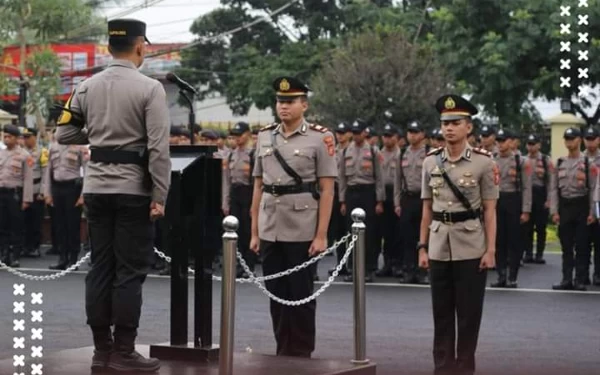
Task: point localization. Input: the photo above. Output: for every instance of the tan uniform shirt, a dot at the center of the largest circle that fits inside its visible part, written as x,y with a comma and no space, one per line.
509,181
569,181
541,177
236,169
357,169
476,176
594,159
125,110
64,164
310,151
410,172
390,164
40,161
16,171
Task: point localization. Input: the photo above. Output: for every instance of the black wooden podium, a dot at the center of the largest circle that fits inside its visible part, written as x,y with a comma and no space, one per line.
192,227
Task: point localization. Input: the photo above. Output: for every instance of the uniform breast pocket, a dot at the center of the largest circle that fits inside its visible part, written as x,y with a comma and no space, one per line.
366,164
469,186
436,182
301,158
562,178
16,167
305,204
350,165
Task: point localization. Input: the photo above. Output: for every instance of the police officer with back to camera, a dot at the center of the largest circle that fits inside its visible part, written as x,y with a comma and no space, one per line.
572,208
16,195
126,121
459,188
362,186
592,141
35,213
514,209
407,199
294,177
237,169
542,169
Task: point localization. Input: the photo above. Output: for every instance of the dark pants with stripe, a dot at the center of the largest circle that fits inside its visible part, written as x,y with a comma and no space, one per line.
574,236
457,294
294,326
537,223
509,250
33,224
68,219
121,235
410,224
363,196
11,223
241,199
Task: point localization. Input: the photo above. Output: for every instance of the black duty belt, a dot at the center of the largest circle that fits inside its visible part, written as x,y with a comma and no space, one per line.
111,156
240,186
361,187
5,190
37,181
277,190
411,194
456,217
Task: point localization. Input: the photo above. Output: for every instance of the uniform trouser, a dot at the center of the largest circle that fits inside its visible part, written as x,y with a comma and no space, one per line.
363,196
509,250
294,326
11,222
574,236
538,222
33,224
68,216
241,199
594,232
410,224
389,230
457,293
337,225
53,228
121,234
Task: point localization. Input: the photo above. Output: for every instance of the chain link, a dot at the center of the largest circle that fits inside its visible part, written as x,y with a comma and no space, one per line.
47,277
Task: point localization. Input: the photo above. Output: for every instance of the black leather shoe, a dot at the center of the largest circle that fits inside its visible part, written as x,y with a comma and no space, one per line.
563,285
131,362
596,280
539,260
100,361
586,281
424,280
348,279
386,271
501,283
58,267
370,277
579,286
511,284
528,259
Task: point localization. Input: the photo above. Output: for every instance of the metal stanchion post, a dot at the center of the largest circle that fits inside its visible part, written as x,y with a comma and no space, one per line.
360,331
230,238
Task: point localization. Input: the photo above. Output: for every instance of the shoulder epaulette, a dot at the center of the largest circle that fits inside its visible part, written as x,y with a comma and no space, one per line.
435,151
318,128
482,151
268,127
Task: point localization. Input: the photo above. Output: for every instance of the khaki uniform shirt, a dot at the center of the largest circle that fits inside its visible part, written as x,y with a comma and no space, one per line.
389,165
569,181
236,170
16,171
541,177
410,172
65,163
310,151
357,169
475,174
125,110
40,161
594,159
509,181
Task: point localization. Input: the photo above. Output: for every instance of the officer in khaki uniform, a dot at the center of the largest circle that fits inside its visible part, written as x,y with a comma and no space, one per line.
237,169
35,213
407,199
592,142
16,195
362,186
459,187
294,175
572,208
514,208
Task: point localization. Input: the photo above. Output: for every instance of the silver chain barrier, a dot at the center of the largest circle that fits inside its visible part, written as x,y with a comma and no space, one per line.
54,276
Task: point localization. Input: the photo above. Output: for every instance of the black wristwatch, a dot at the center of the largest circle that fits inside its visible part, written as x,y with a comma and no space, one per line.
422,246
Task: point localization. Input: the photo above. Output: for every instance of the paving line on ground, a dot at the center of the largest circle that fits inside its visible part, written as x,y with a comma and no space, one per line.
398,285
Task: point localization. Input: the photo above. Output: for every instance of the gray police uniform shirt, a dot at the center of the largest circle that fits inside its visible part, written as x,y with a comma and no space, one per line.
569,181
125,110
475,174
362,166
40,157
509,181
389,165
236,171
594,159
16,171
409,172
310,151
65,163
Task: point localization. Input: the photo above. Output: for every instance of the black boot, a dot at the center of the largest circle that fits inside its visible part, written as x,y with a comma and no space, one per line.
385,271
539,259
124,358
14,258
103,345
4,256
596,280
528,259
512,278
565,284
501,282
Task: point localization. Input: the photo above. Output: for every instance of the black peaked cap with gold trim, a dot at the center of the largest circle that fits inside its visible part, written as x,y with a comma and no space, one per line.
454,107
288,88
127,27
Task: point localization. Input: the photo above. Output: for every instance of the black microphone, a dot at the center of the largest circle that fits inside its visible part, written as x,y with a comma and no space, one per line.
183,85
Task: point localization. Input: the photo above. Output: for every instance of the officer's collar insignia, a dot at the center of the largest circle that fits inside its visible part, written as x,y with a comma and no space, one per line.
303,128
468,154
284,85
449,103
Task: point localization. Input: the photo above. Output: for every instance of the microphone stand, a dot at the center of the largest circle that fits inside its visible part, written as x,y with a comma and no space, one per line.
192,115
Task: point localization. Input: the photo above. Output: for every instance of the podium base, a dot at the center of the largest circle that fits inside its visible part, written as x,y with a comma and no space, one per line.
187,353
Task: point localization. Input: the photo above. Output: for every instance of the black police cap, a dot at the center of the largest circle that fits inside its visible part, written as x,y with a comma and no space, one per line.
239,128
414,126
27,132
342,128
358,126
533,139
572,133
289,88
389,130
12,130
454,107
502,134
371,132
591,132
486,131
127,27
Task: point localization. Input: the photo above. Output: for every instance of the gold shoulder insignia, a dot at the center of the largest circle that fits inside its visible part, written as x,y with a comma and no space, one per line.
318,128
268,127
435,151
482,151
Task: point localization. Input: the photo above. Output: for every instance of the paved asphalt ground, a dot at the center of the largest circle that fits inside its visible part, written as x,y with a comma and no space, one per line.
531,330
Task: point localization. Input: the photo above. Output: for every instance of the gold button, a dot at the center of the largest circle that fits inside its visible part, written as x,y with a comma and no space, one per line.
285,141
279,180
450,203
277,201
452,165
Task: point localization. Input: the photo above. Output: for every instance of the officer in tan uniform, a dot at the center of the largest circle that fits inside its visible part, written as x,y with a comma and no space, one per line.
35,213
514,209
457,238
294,175
16,195
123,115
362,186
407,199
62,190
592,142
572,208
237,168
